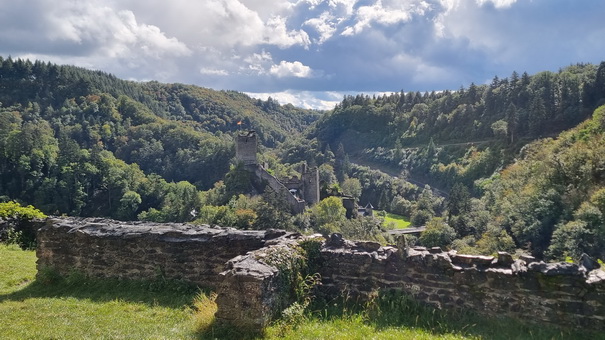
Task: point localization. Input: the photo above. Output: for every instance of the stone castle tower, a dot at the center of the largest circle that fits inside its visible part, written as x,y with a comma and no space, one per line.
246,147
296,192
310,184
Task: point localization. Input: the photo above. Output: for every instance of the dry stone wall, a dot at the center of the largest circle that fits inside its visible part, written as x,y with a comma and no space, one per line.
136,250
252,290
556,293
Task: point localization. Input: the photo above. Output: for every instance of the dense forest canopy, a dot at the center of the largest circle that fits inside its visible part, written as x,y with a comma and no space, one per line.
84,142
519,161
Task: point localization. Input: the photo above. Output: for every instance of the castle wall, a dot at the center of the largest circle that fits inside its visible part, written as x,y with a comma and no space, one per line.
296,206
251,292
136,250
561,294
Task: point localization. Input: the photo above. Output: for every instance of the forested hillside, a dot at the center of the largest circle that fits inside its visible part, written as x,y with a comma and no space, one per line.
551,202
459,136
523,166
82,142
505,191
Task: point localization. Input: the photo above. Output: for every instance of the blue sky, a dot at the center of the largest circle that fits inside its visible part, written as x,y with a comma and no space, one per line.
308,52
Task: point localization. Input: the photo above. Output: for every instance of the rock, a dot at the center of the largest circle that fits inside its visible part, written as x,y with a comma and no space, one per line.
518,267
274,233
588,263
472,260
335,240
368,246
505,259
528,258
435,250
562,268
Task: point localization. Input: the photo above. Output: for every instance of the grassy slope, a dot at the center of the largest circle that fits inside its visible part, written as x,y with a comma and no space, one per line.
79,308
398,221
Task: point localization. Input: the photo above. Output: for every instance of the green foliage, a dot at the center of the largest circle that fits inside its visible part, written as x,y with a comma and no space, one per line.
397,221
495,240
15,210
351,187
85,143
437,234
327,214
393,315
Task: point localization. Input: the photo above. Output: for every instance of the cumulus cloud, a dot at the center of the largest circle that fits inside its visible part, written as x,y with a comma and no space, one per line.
106,32
307,46
498,3
385,14
291,69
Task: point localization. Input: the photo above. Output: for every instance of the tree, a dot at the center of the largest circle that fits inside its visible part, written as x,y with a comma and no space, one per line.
437,234
329,211
512,120
459,207
351,187
500,129
129,204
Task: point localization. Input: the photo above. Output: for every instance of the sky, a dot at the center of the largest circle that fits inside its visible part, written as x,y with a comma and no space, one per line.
307,52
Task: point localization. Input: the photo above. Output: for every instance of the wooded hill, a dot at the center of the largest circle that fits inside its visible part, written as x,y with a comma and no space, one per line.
84,142
460,136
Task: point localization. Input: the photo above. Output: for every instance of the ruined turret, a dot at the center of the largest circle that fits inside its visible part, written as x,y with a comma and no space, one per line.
245,148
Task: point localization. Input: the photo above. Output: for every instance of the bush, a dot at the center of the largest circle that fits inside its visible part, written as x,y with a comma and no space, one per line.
437,234
13,210
12,231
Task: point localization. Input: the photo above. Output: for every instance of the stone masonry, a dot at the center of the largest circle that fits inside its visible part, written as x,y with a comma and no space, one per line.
306,188
251,292
555,293
138,250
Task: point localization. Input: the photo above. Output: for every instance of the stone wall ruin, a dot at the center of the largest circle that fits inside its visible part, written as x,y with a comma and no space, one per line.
251,292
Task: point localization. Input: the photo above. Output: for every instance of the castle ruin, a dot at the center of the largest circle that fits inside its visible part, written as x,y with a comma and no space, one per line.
296,192
251,290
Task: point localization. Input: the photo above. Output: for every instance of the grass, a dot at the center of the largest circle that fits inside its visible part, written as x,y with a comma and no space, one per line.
394,221
391,315
75,307
80,308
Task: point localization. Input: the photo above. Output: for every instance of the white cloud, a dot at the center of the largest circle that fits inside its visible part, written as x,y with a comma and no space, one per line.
110,33
276,33
214,72
305,99
328,45
389,14
257,62
291,69
497,3
324,25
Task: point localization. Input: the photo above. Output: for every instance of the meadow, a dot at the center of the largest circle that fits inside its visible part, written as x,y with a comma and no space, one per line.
48,306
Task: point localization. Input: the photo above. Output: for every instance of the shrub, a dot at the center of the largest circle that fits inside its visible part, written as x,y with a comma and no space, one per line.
16,211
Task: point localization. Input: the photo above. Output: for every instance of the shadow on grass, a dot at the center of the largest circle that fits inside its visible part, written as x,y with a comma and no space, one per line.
218,331
388,310
158,292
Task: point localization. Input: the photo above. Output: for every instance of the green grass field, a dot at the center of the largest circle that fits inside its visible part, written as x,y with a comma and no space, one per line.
75,307
396,221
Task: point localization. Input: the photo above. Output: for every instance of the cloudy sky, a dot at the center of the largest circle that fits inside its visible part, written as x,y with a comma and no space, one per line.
308,52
